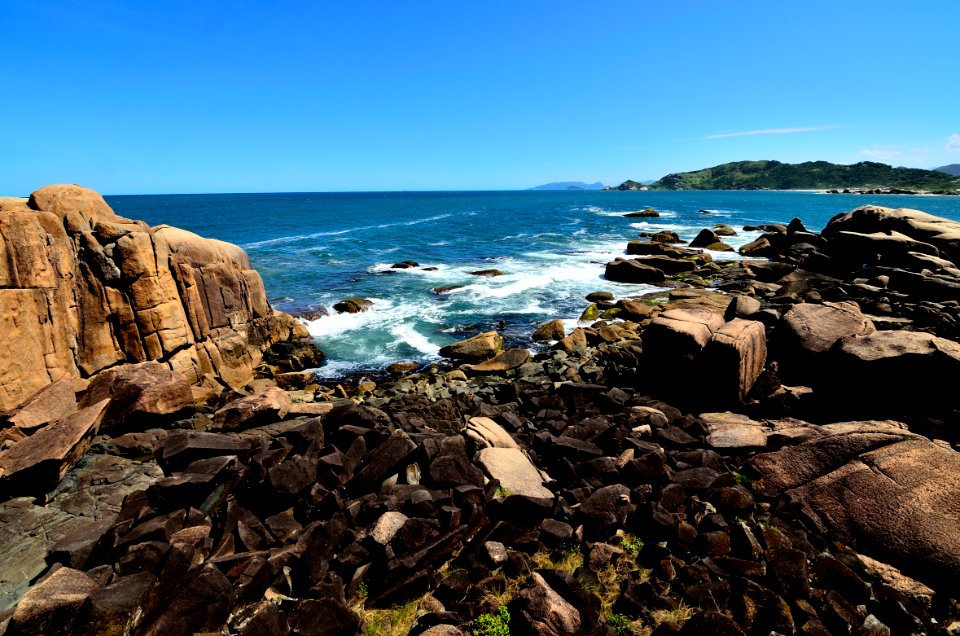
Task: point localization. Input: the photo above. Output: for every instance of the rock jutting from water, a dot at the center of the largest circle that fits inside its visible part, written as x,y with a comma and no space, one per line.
762,447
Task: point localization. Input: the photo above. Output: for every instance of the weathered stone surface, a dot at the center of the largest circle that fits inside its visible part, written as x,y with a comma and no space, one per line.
910,372
145,392
62,199
552,330
541,611
632,270
486,432
503,361
732,430
51,605
681,331
576,338
109,610
269,405
477,348
36,464
944,234
515,472
735,357
50,404
91,493
815,328
893,499
82,289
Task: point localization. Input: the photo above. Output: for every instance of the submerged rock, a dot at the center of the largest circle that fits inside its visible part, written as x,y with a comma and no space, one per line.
352,305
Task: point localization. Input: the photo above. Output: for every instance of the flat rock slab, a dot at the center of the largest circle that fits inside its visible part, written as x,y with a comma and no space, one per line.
92,492
269,405
815,328
50,404
515,472
486,432
503,361
732,430
36,464
895,499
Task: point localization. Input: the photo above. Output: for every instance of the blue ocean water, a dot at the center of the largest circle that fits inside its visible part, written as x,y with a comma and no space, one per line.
314,249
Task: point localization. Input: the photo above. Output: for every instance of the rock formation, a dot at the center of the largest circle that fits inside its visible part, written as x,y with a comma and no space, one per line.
83,290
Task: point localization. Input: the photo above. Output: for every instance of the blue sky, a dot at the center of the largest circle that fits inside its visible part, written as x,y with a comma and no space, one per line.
163,97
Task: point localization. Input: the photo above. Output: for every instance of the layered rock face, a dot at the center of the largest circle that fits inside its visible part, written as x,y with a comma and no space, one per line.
82,290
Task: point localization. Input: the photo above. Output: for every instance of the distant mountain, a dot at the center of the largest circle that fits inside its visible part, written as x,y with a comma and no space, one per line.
953,168
569,185
811,175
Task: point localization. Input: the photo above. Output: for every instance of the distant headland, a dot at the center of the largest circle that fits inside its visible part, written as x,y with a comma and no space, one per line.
569,185
866,177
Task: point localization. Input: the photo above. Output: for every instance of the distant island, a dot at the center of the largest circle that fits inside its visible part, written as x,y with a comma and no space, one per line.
630,184
953,168
811,175
569,185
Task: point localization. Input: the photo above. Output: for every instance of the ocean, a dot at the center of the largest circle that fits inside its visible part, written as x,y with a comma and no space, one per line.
315,249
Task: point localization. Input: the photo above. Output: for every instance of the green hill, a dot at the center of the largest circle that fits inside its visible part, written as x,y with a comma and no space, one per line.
811,175
953,168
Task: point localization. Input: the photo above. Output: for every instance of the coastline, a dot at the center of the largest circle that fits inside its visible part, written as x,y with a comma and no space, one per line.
642,470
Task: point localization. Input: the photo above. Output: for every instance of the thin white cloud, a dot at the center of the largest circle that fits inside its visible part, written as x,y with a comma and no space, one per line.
913,157
768,131
953,144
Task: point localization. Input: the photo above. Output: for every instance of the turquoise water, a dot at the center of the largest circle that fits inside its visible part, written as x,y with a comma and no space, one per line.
314,249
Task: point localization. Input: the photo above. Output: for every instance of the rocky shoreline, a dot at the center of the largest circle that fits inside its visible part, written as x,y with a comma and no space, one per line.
765,446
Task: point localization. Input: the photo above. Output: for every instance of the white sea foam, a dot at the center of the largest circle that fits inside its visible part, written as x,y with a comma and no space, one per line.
307,237
406,334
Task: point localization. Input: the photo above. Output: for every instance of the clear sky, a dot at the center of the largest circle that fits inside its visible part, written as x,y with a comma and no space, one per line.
181,97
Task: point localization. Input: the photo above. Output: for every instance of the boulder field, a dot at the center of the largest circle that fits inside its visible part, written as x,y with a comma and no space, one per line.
761,447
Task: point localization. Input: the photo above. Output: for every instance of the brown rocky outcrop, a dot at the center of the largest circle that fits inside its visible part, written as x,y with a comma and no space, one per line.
939,232
82,290
687,344
895,497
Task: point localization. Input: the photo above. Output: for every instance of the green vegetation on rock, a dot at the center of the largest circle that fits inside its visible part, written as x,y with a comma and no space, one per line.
811,175
493,624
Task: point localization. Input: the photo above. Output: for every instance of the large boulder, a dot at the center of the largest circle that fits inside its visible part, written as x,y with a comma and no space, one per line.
552,330
264,407
140,394
515,472
541,611
944,234
735,356
686,346
502,362
891,496
809,330
36,464
82,290
632,270
479,347
904,372
52,605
